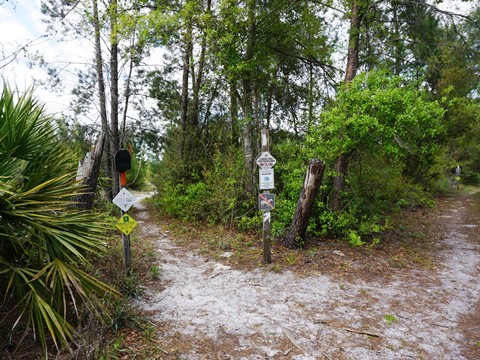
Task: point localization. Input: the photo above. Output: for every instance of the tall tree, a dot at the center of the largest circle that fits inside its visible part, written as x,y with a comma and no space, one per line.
99,22
357,12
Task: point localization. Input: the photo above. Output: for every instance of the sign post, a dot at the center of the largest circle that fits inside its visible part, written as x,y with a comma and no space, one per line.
266,200
124,200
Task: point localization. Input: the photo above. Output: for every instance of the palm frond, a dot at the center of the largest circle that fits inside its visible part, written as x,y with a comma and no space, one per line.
45,241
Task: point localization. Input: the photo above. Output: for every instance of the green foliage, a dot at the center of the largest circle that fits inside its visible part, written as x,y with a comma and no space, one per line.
217,197
388,129
289,174
354,239
45,241
137,176
380,113
390,319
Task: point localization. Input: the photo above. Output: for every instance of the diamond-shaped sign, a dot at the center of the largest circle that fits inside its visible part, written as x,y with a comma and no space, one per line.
126,224
124,199
266,160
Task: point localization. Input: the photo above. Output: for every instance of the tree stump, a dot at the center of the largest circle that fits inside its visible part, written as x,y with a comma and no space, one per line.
297,231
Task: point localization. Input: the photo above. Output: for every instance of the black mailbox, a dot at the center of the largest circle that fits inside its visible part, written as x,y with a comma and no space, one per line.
122,160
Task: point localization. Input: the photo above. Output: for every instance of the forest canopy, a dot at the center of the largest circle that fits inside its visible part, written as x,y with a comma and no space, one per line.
368,87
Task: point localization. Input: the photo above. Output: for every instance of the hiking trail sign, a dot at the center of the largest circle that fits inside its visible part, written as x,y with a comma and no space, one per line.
126,224
266,160
124,199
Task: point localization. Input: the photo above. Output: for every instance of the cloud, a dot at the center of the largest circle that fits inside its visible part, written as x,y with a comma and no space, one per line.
23,37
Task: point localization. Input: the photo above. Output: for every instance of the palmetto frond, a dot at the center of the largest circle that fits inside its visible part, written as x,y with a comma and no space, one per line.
44,239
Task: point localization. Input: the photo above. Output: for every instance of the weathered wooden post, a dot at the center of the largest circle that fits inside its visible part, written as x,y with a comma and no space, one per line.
266,200
124,200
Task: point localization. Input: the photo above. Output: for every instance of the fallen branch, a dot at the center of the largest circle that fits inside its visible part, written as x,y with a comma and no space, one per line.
362,332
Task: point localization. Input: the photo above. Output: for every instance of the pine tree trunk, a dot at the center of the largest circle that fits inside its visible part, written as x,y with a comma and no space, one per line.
339,181
298,228
249,118
199,78
350,73
106,138
185,82
114,107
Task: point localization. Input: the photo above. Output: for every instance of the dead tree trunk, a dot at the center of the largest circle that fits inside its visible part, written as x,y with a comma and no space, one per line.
298,228
88,171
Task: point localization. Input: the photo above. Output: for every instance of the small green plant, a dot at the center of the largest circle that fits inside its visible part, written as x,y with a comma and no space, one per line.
224,245
312,252
478,344
131,286
155,271
390,319
291,258
118,343
123,314
375,242
276,268
354,239
149,330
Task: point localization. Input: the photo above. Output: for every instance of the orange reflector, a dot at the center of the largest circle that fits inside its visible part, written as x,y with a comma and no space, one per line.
123,178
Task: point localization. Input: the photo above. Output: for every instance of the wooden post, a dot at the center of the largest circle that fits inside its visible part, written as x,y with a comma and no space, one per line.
127,254
267,218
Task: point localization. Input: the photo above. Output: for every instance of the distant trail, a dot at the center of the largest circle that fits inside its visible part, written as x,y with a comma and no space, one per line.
231,314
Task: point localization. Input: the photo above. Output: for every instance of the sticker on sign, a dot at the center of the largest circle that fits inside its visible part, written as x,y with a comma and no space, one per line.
265,160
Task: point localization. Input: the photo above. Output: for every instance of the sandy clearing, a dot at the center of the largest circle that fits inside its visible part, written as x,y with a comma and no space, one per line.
415,315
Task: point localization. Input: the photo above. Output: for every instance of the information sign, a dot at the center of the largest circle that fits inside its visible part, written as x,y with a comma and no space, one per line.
126,224
266,179
266,161
124,199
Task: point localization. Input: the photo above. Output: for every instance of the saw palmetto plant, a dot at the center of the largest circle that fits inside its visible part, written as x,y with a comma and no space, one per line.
45,241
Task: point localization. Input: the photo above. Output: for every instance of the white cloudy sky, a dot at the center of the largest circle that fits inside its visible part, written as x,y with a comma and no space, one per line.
20,24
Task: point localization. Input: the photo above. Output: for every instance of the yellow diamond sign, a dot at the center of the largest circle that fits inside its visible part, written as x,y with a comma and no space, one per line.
126,224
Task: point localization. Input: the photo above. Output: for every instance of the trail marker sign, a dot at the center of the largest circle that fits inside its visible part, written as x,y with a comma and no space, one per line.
267,181
126,224
124,199
266,160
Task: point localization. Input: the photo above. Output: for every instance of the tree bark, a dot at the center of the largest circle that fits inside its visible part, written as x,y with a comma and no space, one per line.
185,82
353,42
248,100
90,174
102,98
199,79
341,162
340,168
234,116
298,228
115,143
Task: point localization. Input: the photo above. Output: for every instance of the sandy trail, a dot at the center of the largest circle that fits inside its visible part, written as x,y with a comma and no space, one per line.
272,315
